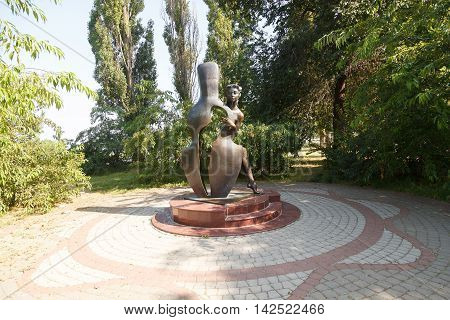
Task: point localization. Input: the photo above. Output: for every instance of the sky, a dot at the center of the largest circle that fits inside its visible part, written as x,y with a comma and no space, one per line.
66,27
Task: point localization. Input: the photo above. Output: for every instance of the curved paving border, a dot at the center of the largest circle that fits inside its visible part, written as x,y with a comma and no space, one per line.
316,267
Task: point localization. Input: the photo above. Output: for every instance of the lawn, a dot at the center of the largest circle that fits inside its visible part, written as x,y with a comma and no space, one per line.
125,180
307,168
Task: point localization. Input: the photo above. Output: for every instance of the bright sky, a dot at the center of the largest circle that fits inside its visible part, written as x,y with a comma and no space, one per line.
68,22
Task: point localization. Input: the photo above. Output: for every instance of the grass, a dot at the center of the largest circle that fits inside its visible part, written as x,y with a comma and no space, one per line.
429,190
438,191
304,170
126,180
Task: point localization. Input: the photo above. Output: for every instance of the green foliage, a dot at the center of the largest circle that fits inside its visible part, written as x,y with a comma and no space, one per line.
103,146
123,51
398,113
376,72
27,7
245,53
181,37
150,127
290,80
228,46
34,174
126,71
162,160
271,147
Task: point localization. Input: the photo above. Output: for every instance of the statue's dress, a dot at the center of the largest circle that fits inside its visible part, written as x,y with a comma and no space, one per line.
226,157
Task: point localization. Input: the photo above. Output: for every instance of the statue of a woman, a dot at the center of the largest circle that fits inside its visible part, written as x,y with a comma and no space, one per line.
227,158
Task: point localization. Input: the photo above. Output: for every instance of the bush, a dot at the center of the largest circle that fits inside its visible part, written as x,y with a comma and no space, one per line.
161,158
102,146
35,175
268,146
396,102
271,146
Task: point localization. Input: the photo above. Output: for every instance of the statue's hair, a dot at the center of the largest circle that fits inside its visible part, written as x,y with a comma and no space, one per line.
234,86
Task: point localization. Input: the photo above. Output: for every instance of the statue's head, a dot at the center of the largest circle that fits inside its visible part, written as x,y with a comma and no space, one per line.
233,92
208,76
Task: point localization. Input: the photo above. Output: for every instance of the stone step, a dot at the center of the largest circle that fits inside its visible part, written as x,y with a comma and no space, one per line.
253,204
241,212
272,211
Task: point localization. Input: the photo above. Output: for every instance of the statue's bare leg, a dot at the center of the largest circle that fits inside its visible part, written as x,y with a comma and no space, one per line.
248,171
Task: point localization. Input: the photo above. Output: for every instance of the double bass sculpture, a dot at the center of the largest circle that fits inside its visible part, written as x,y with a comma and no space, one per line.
227,158
220,212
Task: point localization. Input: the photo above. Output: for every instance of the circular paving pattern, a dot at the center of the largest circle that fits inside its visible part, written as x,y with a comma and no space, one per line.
333,251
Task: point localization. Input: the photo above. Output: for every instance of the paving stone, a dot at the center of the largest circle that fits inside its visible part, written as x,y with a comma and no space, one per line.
252,282
395,294
376,288
274,295
244,291
285,293
351,287
262,295
330,294
366,292
256,289
323,287
360,283
263,281
326,224
316,296
251,296
266,287
272,280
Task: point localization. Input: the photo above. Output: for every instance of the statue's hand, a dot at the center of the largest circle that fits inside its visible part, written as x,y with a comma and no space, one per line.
228,122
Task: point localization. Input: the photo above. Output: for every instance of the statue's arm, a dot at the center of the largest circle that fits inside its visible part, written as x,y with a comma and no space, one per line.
228,119
229,122
227,110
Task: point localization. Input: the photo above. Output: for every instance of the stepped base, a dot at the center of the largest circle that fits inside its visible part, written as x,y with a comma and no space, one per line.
238,216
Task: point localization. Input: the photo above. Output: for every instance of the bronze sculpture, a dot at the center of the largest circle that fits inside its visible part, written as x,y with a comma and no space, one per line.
227,158
198,118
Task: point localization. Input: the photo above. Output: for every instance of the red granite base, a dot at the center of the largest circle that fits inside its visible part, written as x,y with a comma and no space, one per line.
257,213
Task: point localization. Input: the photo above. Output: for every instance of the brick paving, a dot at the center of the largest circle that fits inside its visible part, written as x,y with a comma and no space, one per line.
349,243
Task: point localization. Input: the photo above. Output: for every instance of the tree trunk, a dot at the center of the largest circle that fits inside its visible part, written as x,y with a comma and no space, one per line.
127,48
338,108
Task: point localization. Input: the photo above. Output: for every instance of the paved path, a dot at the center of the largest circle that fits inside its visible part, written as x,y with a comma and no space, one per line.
350,243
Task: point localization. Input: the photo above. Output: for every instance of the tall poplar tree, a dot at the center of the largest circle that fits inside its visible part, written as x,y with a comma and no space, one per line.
182,39
123,50
229,46
126,71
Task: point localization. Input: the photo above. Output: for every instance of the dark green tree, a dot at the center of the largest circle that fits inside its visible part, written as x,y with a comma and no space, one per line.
229,44
397,101
291,79
103,145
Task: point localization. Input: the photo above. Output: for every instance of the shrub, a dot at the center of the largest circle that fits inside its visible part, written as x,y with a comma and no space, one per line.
35,175
268,146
